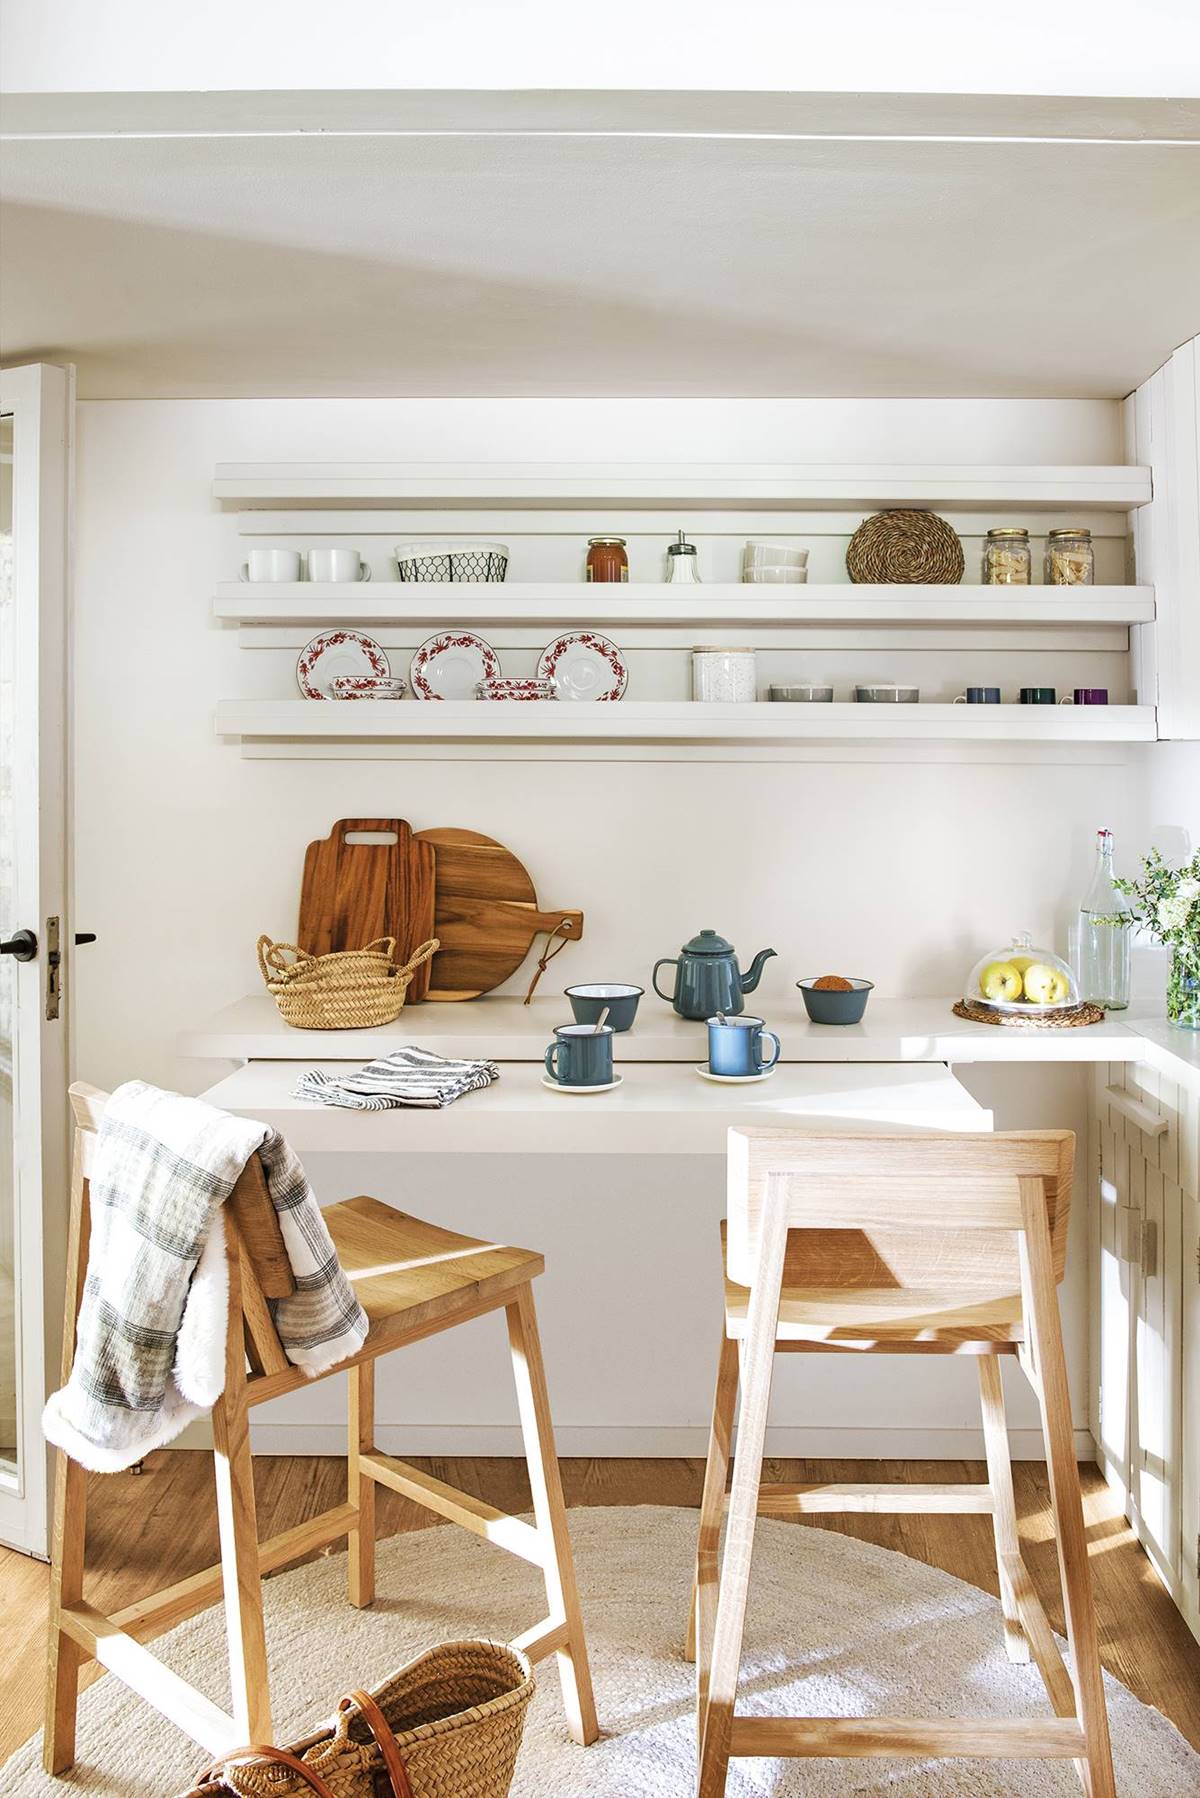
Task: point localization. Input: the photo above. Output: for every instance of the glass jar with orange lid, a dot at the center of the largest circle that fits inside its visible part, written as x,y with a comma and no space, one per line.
607,560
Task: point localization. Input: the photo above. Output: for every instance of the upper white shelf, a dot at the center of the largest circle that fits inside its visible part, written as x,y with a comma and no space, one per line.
772,486
675,721
576,603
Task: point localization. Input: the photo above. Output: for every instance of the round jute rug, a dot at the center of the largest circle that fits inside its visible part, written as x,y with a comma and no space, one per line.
836,1627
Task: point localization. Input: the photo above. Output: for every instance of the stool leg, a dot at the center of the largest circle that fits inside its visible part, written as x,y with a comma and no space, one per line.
360,1487
66,1587
550,1512
237,1517
1004,1509
758,1357
1041,1307
706,1580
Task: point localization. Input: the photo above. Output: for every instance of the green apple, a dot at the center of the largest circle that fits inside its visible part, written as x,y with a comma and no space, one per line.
1000,980
1045,985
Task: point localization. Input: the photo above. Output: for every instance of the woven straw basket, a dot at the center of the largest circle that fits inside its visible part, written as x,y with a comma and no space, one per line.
349,990
457,1714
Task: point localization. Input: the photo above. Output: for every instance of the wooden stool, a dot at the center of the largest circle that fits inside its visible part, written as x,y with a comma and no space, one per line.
412,1280
909,1244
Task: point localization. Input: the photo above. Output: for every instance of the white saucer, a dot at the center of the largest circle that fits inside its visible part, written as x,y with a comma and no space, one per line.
734,1079
557,1086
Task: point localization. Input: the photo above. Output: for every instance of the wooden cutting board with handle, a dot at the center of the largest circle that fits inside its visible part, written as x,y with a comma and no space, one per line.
486,914
368,878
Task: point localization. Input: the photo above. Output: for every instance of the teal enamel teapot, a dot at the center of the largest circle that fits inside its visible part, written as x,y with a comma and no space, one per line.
707,977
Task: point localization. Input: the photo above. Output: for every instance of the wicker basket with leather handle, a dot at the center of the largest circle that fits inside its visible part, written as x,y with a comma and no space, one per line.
351,989
448,1725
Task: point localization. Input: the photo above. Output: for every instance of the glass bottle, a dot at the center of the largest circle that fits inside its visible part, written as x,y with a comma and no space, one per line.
1104,935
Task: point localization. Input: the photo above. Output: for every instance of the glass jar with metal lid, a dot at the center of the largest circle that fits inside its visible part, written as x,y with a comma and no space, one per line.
1006,558
1070,560
607,560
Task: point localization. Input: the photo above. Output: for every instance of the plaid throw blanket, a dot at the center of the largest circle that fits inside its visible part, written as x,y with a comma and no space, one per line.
150,1344
408,1077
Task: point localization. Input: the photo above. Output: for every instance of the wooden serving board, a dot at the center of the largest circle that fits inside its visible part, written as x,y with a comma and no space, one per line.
353,891
486,914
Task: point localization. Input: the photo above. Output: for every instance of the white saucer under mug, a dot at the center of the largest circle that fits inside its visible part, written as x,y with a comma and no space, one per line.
556,1086
734,1079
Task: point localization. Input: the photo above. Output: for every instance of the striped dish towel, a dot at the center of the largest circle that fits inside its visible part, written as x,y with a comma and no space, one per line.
406,1077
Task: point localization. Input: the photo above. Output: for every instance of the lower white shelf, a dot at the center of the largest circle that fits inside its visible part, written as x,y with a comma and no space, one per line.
646,721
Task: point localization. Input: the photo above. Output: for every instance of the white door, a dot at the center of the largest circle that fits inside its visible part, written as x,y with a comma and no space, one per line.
35,460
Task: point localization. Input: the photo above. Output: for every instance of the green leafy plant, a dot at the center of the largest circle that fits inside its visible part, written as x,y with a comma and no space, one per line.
1166,901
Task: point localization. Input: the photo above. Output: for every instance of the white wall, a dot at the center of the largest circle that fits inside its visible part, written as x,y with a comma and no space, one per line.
903,868
1069,47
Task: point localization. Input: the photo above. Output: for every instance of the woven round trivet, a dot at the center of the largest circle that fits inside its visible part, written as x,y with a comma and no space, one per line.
1074,1019
905,546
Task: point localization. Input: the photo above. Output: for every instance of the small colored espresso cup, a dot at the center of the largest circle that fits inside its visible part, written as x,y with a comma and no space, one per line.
1086,696
979,696
1038,696
735,1047
581,1055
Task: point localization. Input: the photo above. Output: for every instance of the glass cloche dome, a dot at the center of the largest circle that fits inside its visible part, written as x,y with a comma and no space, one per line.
1022,979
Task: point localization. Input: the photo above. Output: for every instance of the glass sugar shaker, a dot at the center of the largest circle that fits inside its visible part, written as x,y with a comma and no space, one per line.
1070,560
682,565
1006,558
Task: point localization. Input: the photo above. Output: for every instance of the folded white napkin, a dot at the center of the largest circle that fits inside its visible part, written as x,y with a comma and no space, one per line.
410,1076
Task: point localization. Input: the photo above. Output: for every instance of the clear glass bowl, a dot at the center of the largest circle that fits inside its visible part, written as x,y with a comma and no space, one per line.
1020,978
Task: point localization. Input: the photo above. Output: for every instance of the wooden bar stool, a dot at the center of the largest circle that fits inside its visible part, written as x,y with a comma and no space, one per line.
413,1280
907,1244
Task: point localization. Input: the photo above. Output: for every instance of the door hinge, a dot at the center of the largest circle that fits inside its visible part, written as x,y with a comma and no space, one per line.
53,969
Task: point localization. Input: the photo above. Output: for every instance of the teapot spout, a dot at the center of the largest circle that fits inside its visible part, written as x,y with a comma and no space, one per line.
753,973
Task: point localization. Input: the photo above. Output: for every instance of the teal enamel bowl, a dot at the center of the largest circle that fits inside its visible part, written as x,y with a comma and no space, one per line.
588,1003
827,1007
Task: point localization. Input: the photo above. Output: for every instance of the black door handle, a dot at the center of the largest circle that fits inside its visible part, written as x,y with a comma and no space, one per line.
85,936
23,945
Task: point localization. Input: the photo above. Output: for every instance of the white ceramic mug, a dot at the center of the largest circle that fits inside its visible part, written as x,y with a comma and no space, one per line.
337,565
273,565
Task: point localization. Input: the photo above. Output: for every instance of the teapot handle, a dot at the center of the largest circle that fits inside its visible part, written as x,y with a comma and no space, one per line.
667,961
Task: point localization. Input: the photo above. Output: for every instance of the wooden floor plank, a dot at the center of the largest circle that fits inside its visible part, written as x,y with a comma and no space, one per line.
147,1530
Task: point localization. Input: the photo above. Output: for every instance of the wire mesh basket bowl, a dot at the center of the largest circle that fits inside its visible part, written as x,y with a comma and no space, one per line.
426,561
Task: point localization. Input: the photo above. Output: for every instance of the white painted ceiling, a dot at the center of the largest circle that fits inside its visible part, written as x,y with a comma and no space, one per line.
1023,253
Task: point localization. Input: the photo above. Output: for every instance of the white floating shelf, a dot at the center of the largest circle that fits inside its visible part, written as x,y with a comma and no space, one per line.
566,604
632,721
711,486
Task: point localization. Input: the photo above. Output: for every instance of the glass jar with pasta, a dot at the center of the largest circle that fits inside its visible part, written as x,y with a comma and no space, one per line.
1070,560
1006,558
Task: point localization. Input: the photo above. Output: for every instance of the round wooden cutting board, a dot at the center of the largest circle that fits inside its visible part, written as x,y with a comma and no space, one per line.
486,914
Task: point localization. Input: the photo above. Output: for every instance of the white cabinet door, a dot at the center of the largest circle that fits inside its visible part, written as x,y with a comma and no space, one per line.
1140,1321
1189,1180
1112,1219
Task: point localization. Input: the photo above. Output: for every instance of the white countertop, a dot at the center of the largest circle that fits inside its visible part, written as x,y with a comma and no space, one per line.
505,1030
659,1108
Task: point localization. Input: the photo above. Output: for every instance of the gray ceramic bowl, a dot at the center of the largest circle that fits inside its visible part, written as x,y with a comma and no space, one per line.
826,1007
588,1002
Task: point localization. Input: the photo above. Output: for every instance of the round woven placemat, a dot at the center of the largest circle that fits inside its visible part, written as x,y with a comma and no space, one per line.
1075,1019
903,545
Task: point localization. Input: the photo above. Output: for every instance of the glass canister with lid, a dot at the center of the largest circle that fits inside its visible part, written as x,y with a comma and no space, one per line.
607,559
1007,561
1019,978
1070,559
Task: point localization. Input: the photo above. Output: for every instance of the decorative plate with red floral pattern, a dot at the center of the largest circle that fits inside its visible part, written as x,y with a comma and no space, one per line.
451,665
334,654
585,666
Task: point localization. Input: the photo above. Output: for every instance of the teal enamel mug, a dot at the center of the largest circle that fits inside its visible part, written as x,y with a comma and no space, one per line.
581,1055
